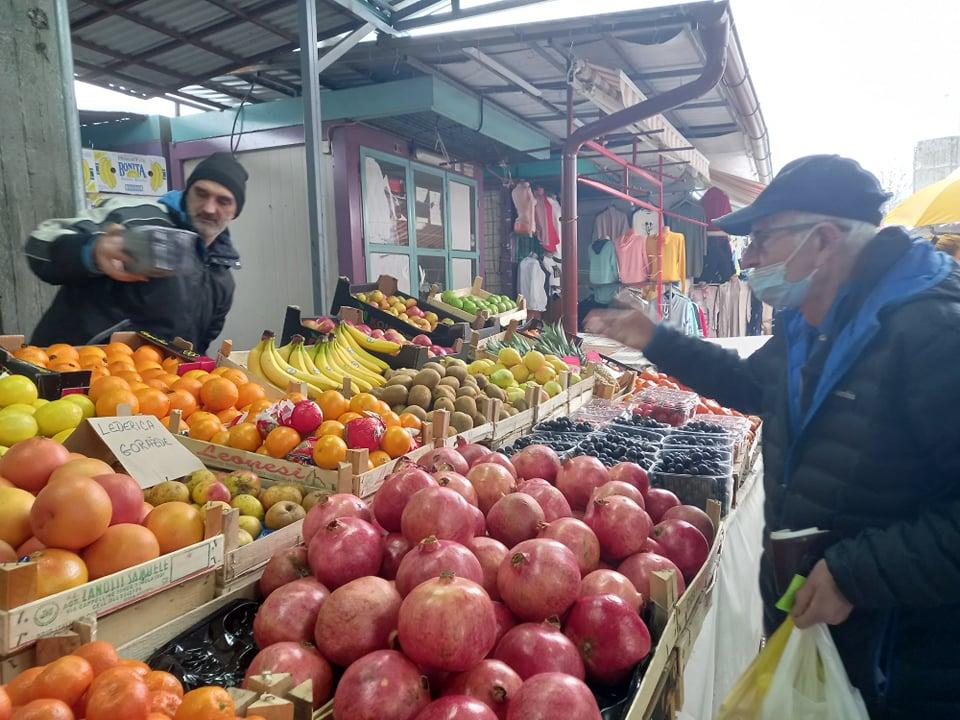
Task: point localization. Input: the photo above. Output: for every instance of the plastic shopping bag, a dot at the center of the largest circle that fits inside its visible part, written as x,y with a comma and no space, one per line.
810,682
744,700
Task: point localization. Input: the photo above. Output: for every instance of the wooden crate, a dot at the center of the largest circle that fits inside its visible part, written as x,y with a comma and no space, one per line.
481,319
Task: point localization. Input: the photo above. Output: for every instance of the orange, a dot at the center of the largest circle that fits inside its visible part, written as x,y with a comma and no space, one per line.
218,394
138,666
348,416
159,681
281,441
58,365
364,402
249,393
295,397
382,408
148,352
184,402
97,373
121,697
136,386
122,546
19,689
118,348
244,436
108,402
5,705
256,407
63,351
396,441
131,376
329,452
262,450
409,420
100,654
92,351
151,373
196,374
65,679
89,363
170,378
379,457
153,401
115,366
202,415
220,437
190,385
70,513
331,427
171,364
237,377
145,365
229,415
44,710
219,370
32,354
176,525
158,384
391,419
165,703
58,570
204,428
206,703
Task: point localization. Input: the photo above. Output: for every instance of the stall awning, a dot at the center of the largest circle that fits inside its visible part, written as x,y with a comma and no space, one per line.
740,190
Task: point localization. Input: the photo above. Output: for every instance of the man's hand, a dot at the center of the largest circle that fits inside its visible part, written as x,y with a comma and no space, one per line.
109,257
820,600
630,327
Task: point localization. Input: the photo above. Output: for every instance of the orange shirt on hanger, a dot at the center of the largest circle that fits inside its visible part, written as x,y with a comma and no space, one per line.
674,258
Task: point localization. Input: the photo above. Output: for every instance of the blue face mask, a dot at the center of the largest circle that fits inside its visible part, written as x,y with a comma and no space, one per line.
771,286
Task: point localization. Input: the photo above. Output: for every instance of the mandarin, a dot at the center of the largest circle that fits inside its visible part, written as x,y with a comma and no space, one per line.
218,394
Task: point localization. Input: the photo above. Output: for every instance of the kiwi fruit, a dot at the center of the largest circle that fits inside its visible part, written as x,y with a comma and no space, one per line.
467,391
450,381
452,432
377,392
455,362
444,403
495,393
462,422
444,391
427,377
520,405
478,420
416,411
398,408
466,405
402,380
470,380
504,412
512,411
393,394
481,380
457,371
440,369
419,395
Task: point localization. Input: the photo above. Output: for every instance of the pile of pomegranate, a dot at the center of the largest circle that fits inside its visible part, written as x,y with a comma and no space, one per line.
476,587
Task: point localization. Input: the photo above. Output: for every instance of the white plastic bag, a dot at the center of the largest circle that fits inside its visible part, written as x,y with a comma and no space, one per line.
810,682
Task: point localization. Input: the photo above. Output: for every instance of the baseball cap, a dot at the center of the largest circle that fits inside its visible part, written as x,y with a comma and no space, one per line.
825,184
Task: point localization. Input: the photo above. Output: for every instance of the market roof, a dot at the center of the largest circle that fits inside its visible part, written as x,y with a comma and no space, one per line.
214,53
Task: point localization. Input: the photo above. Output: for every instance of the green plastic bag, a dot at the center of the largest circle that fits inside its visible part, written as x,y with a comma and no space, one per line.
744,701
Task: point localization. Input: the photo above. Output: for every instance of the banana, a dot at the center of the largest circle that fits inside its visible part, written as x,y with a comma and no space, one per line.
253,359
368,343
355,353
312,368
346,369
297,361
280,373
284,351
330,366
356,370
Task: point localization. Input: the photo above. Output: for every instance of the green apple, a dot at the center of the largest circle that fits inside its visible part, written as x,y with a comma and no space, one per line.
243,538
251,525
242,482
248,505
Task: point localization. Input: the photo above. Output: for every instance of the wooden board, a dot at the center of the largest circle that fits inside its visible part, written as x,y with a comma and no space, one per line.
242,560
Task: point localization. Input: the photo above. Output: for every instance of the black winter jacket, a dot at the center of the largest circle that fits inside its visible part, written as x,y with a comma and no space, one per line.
191,305
878,463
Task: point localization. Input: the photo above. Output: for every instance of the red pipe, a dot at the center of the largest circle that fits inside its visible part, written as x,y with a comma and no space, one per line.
713,32
636,170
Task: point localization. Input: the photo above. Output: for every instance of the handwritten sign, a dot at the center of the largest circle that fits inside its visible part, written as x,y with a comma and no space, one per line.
147,451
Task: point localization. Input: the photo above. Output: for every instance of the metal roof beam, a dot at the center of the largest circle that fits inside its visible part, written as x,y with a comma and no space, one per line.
498,68
103,14
459,14
343,47
545,54
368,14
253,18
160,91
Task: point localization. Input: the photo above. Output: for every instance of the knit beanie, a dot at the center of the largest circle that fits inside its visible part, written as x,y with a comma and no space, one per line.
222,168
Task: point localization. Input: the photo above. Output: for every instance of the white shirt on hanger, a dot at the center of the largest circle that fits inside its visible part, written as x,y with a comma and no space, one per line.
532,283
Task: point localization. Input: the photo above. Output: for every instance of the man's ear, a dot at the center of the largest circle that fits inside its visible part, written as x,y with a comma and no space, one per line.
829,242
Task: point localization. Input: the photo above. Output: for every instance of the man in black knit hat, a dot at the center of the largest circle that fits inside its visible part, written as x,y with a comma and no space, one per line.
98,293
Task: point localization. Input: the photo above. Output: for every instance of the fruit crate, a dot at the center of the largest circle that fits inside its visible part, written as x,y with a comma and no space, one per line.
51,385
443,335
482,319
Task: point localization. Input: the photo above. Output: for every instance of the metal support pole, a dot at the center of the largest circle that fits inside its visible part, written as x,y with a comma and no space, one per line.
65,51
660,241
313,138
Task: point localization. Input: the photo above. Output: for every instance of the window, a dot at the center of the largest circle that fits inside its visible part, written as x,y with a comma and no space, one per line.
424,236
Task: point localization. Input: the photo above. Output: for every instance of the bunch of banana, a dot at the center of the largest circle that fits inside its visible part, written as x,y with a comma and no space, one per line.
265,360
366,342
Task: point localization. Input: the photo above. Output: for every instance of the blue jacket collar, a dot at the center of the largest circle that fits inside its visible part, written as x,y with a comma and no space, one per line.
220,252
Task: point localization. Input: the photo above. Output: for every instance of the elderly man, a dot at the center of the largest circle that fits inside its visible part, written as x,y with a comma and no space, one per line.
85,257
861,405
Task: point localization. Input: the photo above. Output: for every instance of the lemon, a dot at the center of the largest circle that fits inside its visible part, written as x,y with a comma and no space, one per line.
20,407
39,402
85,403
534,360
61,437
545,375
57,416
17,389
556,363
509,357
520,373
16,426
552,388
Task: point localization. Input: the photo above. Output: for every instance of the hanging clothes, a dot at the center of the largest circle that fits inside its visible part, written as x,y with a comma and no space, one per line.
674,265
380,206
695,236
547,231
524,203
715,203
551,266
604,271
610,224
555,212
632,258
718,265
532,283
645,222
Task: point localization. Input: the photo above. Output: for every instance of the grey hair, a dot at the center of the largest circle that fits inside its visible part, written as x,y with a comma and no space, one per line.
858,232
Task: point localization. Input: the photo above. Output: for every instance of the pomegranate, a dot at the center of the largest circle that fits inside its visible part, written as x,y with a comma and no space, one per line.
440,512
433,557
658,502
620,524
344,550
447,623
479,522
302,662
492,682
289,613
456,707
329,509
537,461
396,491
551,500
534,648
610,582
610,635
444,458
632,474
357,619
505,620
472,452
637,569
696,517
579,477
651,545
514,518
682,543
458,483
305,417
383,685
490,553
492,482
538,579
284,567
503,461
578,537
395,547
618,487
550,696
365,432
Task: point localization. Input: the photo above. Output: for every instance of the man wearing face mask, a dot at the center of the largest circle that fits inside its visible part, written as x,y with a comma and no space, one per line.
861,409
85,256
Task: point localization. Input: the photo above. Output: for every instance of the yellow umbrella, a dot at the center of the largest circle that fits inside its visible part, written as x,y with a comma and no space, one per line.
935,204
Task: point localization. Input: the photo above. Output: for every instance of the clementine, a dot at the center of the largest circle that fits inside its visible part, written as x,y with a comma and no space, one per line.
154,402
165,703
348,416
159,681
220,437
295,397
206,703
118,697
171,364
364,402
139,667
20,688
63,351
281,440
237,377
390,419
379,457
218,394
131,376
249,393
120,547
382,408
32,354
43,710
184,402
175,525
331,427
159,384
100,654
329,452
92,351
244,436
190,385
105,385
229,415
5,705
65,679
196,374
118,348
109,402
205,428
256,407
396,441
118,366
148,352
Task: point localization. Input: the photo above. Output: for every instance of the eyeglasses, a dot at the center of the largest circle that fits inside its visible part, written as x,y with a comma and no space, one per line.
758,236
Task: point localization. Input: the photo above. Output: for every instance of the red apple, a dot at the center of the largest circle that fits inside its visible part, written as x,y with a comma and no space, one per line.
215,491
126,496
147,507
